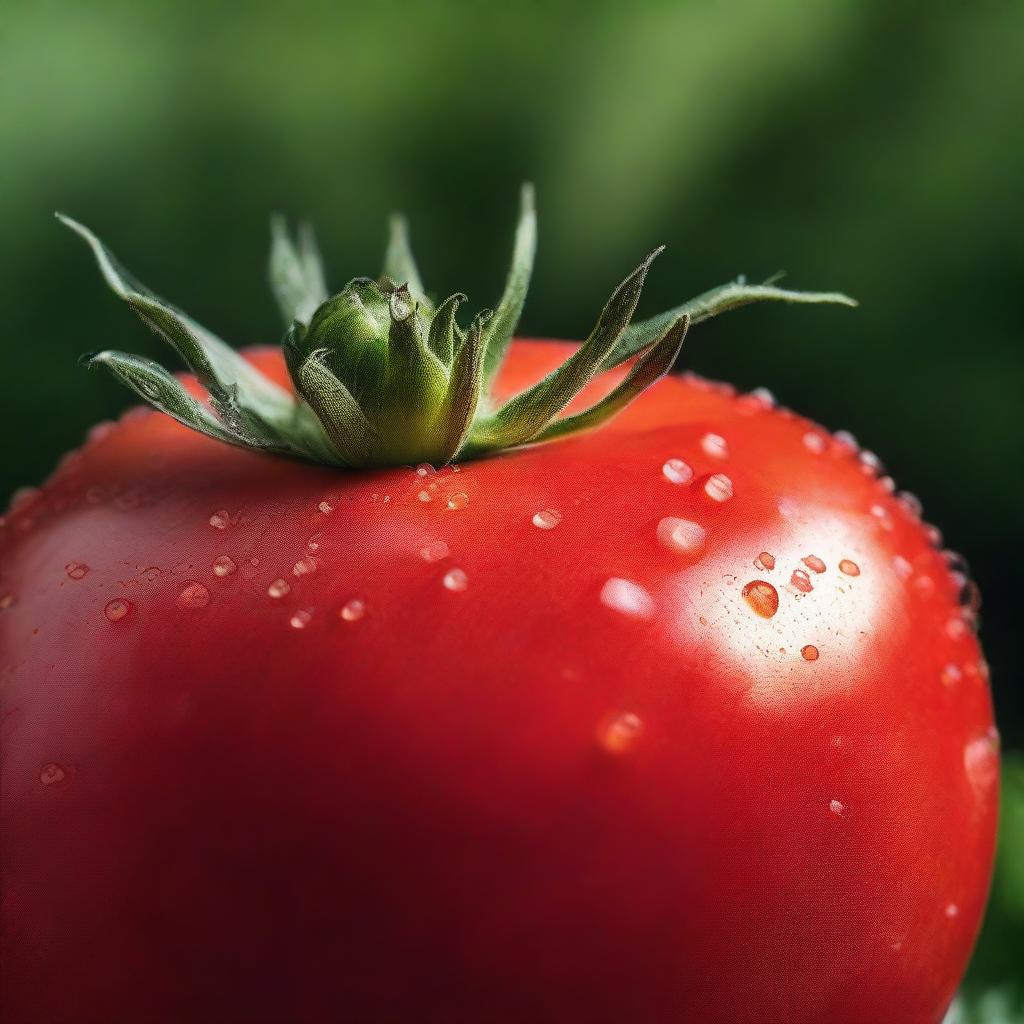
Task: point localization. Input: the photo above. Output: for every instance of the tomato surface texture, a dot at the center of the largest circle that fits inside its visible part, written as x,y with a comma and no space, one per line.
679,720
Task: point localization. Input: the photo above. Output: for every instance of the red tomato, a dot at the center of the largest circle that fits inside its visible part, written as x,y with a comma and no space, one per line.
560,735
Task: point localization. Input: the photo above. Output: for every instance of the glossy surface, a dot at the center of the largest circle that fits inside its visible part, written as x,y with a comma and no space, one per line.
492,743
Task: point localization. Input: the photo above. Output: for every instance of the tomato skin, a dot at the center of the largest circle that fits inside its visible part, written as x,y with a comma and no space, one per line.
508,801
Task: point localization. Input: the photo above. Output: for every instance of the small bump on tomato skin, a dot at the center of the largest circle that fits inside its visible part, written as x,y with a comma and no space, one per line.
412,756
353,610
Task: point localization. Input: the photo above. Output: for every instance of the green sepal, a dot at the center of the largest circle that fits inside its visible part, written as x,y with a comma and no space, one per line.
442,338
454,419
655,362
526,415
350,432
510,308
296,271
399,263
709,304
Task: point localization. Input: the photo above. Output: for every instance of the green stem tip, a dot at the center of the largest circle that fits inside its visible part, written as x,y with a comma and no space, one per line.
384,378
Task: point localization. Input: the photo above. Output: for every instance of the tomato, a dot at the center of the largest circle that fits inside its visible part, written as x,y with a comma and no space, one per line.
682,719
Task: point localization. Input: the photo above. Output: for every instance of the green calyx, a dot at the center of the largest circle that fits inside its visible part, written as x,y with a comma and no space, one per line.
383,377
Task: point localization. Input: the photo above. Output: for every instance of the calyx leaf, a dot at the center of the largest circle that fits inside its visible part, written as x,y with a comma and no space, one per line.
382,377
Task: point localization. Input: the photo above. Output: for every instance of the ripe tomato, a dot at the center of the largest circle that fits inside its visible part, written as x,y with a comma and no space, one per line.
680,720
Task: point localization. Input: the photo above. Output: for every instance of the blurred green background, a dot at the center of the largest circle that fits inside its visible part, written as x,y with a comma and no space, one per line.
876,147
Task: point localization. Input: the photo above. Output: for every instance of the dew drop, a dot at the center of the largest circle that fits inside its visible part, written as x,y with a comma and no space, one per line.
353,610
457,501
425,469
956,628
547,519
880,513
326,507
300,619
424,496
849,568
455,580
681,535
763,397
981,763
52,774
718,487
814,442
221,520
765,561
934,535
617,734
846,439
195,595
151,573
870,463
117,609
836,807
950,675
76,570
6,601
313,544
715,446
902,567
627,597
305,566
809,652
279,588
434,551
801,581
814,563
762,597
677,472
925,586
223,565
952,910
911,502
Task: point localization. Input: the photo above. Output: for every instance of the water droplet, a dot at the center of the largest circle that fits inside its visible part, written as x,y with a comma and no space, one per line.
305,566
763,397
765,561
957,628
925,586
77,570
902,567
887,484
681,535
434,551
952,910
223,565
718,487
934,535
715,446
846,439
326,507
627,597
150,573
950,675
882,515
221,520
801,581
677,472
6,601
762,597
279,588
809,652
548,519
455,580
814,563
117,609
814,442
425,469
457,501
981,763
52,774
911,502
424,496
836,807
970,596
849,568
195,595
870,463
313,544
617,734
300,619
354,610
